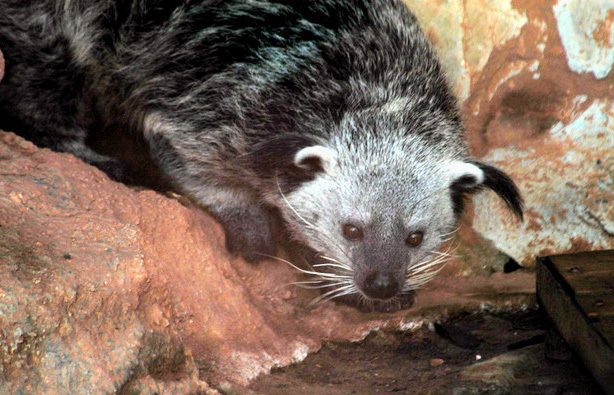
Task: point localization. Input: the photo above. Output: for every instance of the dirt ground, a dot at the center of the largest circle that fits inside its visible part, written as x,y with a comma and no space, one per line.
471,354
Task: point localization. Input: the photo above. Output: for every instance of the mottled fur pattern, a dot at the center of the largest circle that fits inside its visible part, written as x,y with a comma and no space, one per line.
229,93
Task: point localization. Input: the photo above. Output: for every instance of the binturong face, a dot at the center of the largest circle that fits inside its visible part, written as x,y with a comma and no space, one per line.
377,220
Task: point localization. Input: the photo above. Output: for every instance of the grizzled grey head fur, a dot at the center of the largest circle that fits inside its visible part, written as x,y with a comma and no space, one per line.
335,113
383,197
391,169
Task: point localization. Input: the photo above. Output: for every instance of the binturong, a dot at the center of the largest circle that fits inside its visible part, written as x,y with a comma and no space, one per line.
334,114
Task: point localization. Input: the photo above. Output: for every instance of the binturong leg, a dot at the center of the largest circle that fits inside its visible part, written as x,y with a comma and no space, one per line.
249,226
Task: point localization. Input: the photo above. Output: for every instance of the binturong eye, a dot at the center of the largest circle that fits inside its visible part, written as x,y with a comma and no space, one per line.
352,232
414,239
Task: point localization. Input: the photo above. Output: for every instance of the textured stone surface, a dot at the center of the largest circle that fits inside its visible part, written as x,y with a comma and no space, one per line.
551,128
465,33
105,288
79,312
511,358
537,82
568,180
587,34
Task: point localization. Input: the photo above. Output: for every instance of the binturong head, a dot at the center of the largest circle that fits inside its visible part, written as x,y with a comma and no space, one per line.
377,210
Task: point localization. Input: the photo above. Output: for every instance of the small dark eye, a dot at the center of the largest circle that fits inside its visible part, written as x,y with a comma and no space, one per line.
414,239
352,232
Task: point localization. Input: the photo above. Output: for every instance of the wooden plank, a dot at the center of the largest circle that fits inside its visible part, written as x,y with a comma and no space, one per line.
596,305
587,272
588,261
558,299
605,327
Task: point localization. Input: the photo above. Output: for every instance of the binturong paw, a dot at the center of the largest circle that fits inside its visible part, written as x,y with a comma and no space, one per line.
115,168
253,246
249,234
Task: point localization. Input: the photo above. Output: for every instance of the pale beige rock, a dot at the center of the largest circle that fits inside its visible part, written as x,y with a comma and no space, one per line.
465,32
505,368
587,32
443,23
568,183
486,25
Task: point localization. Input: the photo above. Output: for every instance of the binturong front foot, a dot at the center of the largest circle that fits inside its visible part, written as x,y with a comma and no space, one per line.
249,233
249,227
114,168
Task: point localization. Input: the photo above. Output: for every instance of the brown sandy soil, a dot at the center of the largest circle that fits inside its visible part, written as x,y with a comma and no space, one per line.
512,360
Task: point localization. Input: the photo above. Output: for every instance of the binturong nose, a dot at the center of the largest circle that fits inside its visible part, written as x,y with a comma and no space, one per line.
380,285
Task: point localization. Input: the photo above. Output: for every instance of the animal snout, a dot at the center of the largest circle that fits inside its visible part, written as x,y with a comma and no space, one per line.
380,285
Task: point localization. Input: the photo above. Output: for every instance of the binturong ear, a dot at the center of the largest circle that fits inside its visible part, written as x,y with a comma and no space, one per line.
315,159
471,176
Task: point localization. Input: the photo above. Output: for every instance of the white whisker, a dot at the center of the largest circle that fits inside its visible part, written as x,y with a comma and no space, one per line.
333,265
321,286
290,206
444,254
427,275
332,292
415,283
315,273
329,259
424,279
344,293
450,233
426,269
426,265
308,282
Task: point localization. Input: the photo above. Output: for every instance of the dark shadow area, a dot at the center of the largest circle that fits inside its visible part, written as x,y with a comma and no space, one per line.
470,354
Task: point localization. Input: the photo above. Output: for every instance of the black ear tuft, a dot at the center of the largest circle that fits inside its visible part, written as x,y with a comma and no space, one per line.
311,163
487,177
503,186
459,190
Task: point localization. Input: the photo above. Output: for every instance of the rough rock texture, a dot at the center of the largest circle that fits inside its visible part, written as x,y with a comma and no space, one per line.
466,32
108,289
538,85
79,311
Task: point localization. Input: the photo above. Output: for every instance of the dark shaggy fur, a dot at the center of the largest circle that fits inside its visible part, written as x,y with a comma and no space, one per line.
331,111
